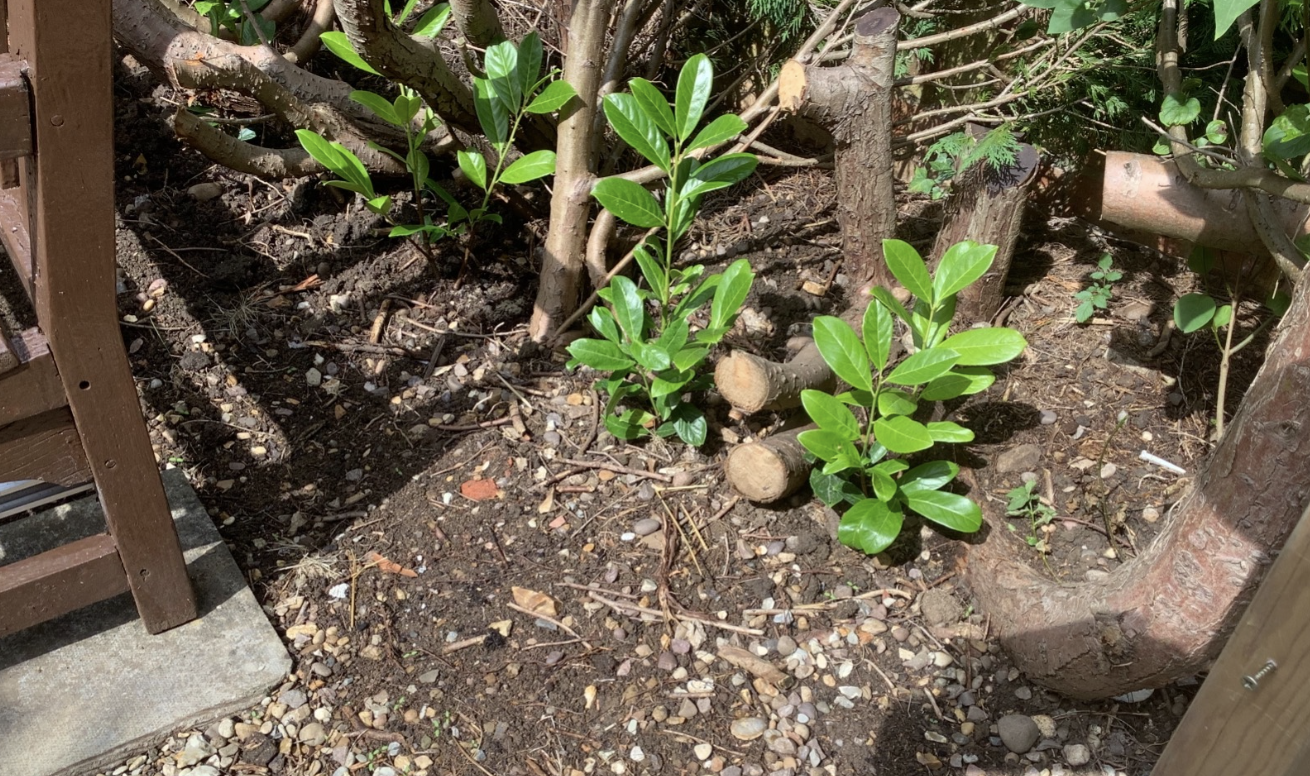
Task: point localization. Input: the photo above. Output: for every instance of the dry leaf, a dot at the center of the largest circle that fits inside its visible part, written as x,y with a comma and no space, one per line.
756,665
388,566
479,490
536,603
502,627
548,503
589,693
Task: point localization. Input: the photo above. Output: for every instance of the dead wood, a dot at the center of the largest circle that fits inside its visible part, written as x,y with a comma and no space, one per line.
987,206
853,102
770,468
751,383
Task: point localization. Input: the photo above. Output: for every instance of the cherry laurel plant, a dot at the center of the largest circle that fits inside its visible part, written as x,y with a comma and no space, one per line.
656,357
514,87
866,434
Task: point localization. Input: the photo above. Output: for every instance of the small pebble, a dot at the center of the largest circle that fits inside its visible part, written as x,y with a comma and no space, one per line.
646,527
748,728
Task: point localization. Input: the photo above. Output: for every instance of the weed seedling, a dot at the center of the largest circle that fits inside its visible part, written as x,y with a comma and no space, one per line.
1025,503
1098,293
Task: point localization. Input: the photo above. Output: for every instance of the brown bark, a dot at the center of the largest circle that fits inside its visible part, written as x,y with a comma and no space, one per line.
987,207
562,265
751,383
1167,612
408,60
853,101
768,469
477,22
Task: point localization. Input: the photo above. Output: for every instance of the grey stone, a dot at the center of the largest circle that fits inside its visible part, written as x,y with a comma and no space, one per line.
1048,417
1018,459
748,728
939,607
1018,732
646,527
97,669
1077,754
976,714
203,192
786,645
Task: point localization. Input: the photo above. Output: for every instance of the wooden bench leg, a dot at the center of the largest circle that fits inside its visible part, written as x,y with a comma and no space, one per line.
70,190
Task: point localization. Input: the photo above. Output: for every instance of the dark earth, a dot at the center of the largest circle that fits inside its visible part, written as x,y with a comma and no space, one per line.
472,576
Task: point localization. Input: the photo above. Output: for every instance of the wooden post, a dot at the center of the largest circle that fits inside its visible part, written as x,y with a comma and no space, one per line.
70,202
1262,728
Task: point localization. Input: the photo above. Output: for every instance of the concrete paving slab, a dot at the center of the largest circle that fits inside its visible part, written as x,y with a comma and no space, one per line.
88,689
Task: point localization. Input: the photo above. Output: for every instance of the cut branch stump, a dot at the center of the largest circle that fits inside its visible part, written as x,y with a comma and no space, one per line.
769,469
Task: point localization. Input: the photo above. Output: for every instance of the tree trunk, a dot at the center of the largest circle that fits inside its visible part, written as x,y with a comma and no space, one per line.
987,207
853,101
575,171
1167,612
477,22
770,468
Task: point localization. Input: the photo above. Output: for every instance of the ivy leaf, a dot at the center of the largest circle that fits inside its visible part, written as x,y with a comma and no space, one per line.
1192,311
1179,110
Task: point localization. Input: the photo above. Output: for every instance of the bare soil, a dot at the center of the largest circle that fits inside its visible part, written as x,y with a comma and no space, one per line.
474,577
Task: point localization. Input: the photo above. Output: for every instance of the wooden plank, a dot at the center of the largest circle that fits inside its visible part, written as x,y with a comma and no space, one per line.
34,387
62,580
46,447
15,110
1231,729
14,233
8,167
70,183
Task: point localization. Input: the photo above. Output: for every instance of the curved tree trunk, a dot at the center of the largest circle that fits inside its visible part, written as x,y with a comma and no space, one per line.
1167,612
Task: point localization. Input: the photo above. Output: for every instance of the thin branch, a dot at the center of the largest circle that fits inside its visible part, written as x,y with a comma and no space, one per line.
961,32
307,46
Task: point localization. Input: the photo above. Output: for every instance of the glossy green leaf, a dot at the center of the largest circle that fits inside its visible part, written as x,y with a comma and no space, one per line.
949,510
1192,311
720,130
338,44
1226,12
894,402
530,167
431,23
1217,132
492,116
884,297
632,424
833,489
1202,259
891,467
501,64
924,366
884,487
629,201
600,355
946,431
830,415
825,445
870,526
721,173
961,265
632,124
674,336
650,355
629,310
529,62
654,104
671,382
602,320
908,267
689,358
690,424
380,106
983,347
903,435
878,330
552,98
693,92
474,166
843,351
652,270
731,293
